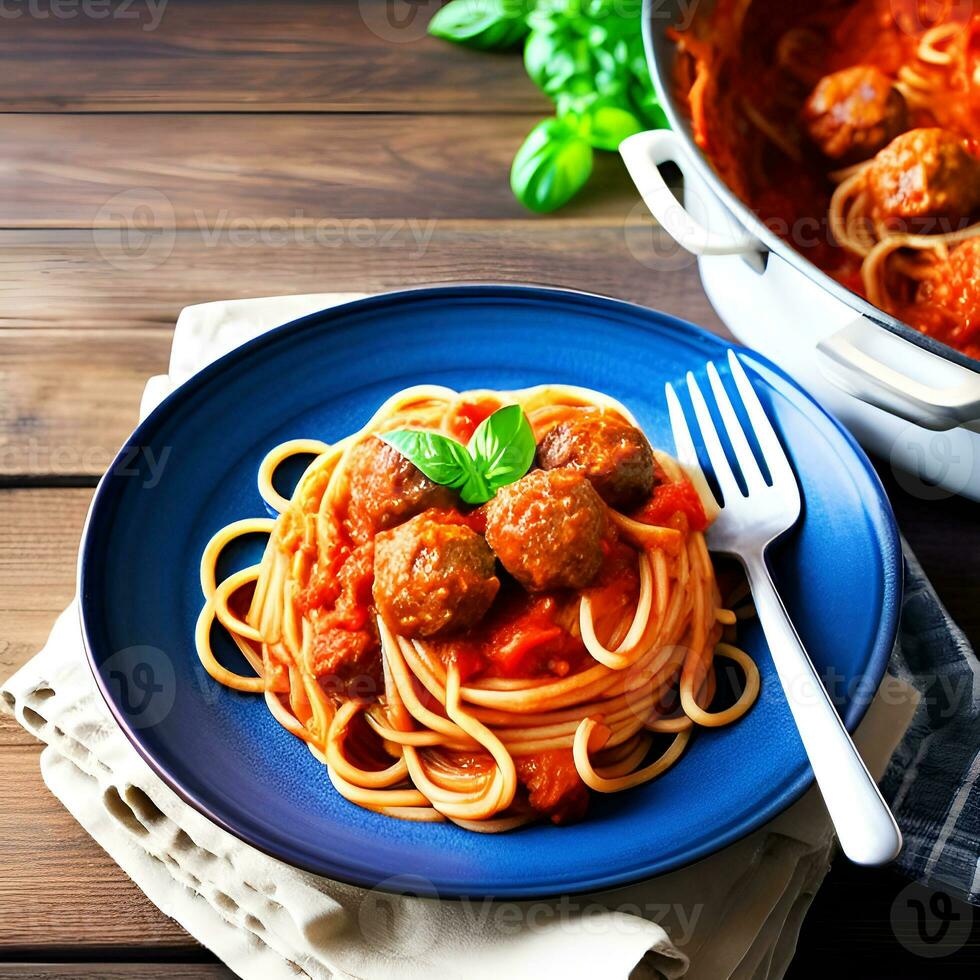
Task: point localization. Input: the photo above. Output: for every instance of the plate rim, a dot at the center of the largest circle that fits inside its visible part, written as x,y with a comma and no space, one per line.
892,586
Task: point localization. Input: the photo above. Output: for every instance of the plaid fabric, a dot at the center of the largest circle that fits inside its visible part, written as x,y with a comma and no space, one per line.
933,779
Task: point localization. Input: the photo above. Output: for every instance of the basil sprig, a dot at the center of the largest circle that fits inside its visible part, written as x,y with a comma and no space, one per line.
500,452
587,56
485,24
551,166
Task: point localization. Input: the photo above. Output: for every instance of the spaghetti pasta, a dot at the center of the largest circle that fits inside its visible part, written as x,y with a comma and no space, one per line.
438,730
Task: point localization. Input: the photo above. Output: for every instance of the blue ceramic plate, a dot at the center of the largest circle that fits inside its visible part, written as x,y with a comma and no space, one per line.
192,468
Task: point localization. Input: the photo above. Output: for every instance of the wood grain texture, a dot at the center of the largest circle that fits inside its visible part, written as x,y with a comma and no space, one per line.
106,280
214,173
225,55
70,390
41,529
58,888
45,377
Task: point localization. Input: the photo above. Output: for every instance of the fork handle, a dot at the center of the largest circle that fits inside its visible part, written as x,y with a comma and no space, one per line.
865,826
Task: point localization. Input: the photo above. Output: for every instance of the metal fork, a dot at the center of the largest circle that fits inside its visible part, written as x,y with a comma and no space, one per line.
744,528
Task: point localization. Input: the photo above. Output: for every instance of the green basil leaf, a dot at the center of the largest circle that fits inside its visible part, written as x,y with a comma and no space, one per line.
483,24
503,446
500,452
539,55
441,459
551,166
476,489
606,123
553,59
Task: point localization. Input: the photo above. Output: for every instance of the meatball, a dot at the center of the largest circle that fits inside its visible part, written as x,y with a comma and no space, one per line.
547,529
432,578
853,113
387,489
614,455
952,295
925,173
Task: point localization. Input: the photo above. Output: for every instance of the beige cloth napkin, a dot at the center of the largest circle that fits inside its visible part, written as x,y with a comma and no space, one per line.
736,914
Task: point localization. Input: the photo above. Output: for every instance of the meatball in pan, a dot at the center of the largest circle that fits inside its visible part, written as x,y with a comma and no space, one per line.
925,173
853,113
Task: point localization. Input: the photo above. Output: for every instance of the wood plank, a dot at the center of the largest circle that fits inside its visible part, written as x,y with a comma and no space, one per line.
39,540
69,398
85,900
230,55
208,172
71,279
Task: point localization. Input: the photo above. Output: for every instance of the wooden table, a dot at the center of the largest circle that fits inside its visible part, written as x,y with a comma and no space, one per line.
242,149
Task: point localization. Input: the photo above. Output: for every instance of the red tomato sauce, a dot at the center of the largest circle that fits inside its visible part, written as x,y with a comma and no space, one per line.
673,499
527,635
553,785
469,415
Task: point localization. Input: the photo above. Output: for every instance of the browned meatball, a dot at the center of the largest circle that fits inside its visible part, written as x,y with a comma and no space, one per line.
614,455
387,489
432,578
547,529
853,113
925,173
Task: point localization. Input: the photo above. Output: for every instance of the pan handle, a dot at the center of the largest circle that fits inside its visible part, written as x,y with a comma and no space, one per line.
643,154
901,378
